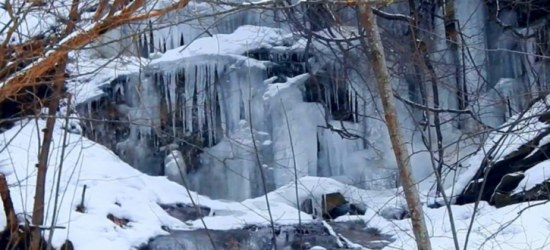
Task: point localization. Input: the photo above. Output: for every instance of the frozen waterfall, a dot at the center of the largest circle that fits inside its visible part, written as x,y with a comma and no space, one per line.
239,95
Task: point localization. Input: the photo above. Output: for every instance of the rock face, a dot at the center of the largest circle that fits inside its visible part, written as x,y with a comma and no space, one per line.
512,166
226,117
281,107
287,237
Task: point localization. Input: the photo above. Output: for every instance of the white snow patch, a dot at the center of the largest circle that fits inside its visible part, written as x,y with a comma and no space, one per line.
115,188
534,176
241,40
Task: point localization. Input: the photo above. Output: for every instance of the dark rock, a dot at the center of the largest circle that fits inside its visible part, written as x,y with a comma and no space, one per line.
538,192
526,14
68,245
185,212
357,209
395,213
26,102
307,206
7,240
338,211
496,179
502,196
333,205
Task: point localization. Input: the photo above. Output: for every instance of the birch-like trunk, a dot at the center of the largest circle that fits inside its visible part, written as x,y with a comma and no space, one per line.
378,61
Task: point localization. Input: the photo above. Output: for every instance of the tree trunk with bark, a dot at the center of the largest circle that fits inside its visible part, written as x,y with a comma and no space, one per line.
378,60
38,208
11,218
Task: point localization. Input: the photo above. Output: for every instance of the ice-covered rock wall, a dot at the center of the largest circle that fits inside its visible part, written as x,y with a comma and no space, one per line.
180,27
239,107
246,108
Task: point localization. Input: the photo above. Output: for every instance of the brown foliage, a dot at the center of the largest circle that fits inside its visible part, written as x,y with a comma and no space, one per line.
14,82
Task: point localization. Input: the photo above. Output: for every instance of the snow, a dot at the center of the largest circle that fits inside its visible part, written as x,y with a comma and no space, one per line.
534,176
91,74
517,131
109,181
504,228
113,187
250,106
237,43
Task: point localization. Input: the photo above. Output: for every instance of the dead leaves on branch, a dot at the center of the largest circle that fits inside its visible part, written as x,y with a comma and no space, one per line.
40,61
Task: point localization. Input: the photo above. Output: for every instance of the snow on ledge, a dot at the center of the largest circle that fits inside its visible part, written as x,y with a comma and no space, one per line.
243,39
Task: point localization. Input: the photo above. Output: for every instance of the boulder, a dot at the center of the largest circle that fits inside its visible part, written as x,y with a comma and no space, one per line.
337,211
395,213
357,209
307,207
185,212
331,206
503,192
504,165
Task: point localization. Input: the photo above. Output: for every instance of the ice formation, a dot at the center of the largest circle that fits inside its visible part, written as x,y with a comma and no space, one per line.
246,99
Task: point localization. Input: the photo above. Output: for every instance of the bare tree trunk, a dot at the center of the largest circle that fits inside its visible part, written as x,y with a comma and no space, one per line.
378,60
11,218
38,207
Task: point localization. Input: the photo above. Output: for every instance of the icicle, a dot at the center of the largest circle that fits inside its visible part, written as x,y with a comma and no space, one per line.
212,102
180,89
190,79
356,107
152,38
208,113
174,94
216,104
160,45
201,82
336,87
328,98
351,104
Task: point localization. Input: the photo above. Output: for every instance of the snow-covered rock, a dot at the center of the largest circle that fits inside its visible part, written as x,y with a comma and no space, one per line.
512,165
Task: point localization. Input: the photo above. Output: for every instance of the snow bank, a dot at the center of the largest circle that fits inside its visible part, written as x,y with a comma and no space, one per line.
113,187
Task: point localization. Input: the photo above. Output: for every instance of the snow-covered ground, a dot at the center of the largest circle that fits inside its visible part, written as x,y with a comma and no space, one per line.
113,187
